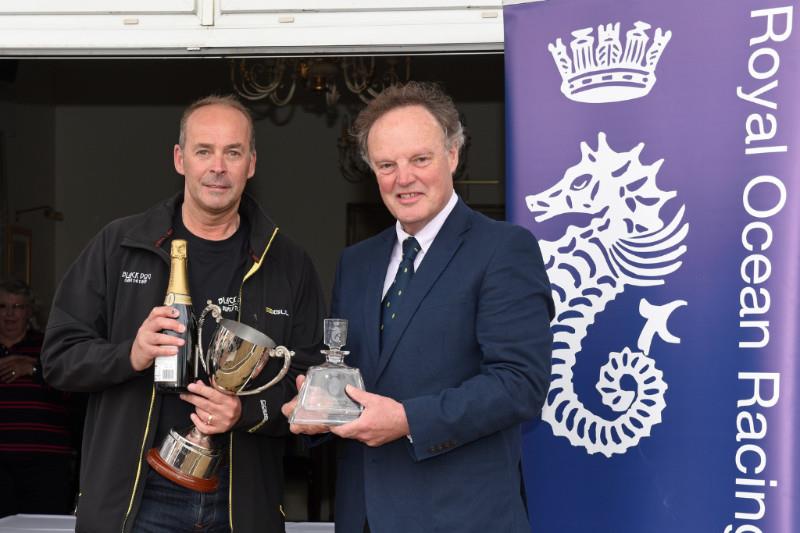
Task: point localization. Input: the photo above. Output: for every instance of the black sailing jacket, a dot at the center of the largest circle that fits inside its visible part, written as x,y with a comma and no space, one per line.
101,302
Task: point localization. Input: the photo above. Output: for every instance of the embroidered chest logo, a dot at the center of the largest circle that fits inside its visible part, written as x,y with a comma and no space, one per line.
276,312
140,278
228,304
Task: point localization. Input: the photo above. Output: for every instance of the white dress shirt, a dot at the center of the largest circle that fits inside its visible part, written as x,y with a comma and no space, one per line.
424,237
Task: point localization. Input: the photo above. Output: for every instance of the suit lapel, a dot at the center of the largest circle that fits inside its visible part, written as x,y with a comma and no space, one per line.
432,267
373,292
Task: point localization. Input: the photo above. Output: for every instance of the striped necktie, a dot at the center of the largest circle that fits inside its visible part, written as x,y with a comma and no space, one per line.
391,303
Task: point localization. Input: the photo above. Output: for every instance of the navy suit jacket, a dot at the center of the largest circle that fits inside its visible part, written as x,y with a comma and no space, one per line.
469,360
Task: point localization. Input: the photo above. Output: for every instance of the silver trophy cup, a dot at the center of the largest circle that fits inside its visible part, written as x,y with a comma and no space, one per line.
236,356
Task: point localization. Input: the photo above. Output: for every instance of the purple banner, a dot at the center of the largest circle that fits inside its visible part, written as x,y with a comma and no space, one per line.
652,149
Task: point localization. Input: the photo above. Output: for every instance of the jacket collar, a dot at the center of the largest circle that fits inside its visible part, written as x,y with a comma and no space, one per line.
155,228
444,247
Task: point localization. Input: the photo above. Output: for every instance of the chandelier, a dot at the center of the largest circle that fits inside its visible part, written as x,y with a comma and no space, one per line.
276,80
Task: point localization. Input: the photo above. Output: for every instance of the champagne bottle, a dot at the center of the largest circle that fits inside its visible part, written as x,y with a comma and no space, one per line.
174,372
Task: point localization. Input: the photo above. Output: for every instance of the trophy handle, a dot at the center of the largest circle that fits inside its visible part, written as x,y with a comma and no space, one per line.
216,313
279,351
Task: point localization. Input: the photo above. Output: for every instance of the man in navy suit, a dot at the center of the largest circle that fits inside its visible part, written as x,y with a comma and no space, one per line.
454,350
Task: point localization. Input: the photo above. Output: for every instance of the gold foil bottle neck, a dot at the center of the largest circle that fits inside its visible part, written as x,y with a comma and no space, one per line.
178,249
178,287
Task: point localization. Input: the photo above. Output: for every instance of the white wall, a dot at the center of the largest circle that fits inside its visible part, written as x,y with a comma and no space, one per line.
197,28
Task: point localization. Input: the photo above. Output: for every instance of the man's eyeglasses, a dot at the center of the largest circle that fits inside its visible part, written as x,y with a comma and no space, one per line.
12,308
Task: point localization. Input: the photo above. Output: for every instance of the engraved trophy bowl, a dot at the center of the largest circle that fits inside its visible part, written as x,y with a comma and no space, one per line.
236,356
322,398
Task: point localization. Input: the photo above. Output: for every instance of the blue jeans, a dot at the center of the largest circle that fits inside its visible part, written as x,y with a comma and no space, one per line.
170,508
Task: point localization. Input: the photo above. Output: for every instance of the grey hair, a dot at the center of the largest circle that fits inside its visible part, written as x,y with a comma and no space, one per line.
414,93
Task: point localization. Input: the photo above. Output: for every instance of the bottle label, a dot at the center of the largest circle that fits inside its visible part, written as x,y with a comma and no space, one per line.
166,369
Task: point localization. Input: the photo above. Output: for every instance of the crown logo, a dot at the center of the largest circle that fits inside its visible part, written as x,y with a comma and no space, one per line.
607,73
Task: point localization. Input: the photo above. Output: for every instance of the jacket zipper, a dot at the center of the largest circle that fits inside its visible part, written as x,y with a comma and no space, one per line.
141,454
256,266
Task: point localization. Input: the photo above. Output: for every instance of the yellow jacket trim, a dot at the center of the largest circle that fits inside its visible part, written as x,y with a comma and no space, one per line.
250,272
141,454
257,265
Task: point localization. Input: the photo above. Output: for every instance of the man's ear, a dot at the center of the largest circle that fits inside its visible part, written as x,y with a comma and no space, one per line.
252,169
177,159
452,158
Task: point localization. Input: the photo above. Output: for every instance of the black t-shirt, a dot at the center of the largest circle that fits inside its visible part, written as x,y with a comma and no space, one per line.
216,270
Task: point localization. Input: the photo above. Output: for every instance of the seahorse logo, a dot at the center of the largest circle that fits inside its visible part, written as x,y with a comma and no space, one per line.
625,243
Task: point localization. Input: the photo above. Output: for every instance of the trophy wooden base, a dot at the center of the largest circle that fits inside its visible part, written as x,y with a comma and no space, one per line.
197,484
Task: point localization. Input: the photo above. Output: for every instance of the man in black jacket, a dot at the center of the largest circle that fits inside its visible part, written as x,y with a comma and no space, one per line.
106,326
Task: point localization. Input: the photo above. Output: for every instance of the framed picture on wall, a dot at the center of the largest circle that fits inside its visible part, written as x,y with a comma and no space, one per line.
18,253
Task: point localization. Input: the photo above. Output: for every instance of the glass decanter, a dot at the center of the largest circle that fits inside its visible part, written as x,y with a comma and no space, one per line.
322,399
